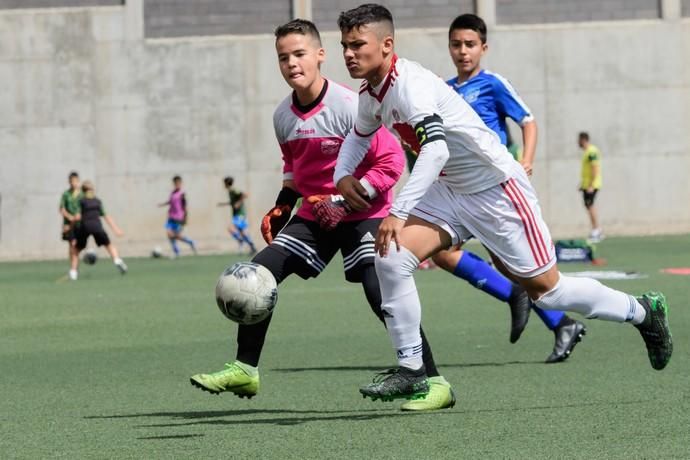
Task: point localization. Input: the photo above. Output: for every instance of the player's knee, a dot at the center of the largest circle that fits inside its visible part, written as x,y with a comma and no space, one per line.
398,263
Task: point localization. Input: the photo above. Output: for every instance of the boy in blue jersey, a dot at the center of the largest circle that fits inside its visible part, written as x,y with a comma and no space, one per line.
495,100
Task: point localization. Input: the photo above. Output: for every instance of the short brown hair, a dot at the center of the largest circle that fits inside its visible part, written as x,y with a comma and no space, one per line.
298,26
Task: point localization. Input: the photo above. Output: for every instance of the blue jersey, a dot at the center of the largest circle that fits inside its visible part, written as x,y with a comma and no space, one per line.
494,99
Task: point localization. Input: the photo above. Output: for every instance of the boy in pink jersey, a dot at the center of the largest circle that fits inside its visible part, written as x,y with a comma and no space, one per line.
177,217
463,183
310,126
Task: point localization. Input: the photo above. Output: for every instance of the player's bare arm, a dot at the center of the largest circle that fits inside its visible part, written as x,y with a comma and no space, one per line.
529,142
111,223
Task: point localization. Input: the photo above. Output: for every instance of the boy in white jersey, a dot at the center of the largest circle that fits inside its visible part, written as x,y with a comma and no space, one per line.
310,126
482,191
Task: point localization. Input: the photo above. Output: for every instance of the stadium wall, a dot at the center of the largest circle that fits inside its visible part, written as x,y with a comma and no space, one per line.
83,90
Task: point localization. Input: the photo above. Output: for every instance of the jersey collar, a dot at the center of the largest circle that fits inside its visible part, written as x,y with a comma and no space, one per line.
307,111
387,82
457,84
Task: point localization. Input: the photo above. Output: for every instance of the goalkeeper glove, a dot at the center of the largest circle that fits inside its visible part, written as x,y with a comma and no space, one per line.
279,215
329,210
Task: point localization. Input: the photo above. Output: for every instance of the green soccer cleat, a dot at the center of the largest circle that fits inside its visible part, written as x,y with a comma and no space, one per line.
655,330
233,378
397,383
440,396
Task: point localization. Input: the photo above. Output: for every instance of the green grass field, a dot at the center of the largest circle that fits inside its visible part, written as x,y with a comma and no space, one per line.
100,369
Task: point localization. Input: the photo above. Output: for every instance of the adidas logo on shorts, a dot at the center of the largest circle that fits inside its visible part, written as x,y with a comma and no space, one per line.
368,237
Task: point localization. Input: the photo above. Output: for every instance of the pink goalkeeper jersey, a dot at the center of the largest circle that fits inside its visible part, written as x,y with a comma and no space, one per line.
310,139
176,205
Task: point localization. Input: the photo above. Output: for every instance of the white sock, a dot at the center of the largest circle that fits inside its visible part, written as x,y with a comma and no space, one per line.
73,274
117,261
250,370
402,310
593,300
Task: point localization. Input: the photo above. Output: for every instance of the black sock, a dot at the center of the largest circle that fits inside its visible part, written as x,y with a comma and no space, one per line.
565,321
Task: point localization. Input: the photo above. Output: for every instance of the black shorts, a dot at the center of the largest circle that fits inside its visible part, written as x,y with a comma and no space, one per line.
588,198
99,235
69,235
310,248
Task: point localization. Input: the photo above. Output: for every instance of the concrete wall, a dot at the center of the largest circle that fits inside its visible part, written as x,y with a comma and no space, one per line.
543,11
179,18
421,13
56,3
82,91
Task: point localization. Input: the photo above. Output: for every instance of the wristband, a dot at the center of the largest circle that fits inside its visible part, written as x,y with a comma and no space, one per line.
287,196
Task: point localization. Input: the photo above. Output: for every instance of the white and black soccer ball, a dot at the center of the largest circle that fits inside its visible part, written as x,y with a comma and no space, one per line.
157,252
89,257
246,292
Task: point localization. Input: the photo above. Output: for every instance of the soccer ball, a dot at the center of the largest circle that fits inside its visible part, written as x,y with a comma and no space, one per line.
89,257
246,292
157,252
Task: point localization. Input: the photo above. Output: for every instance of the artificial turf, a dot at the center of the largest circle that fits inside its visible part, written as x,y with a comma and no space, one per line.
100,368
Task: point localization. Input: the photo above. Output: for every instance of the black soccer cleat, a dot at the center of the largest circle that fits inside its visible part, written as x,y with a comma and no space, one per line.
655,330
567,336
397,383
520,306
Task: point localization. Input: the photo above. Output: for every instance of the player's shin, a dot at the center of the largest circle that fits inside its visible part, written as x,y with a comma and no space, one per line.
593,300
400,304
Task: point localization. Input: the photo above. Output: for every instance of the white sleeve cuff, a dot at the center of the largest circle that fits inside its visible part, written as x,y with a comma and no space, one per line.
371,191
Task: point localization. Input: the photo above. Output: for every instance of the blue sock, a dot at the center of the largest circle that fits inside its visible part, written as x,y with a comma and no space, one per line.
173,243
550,317
481,275
249,241
237,237
189,241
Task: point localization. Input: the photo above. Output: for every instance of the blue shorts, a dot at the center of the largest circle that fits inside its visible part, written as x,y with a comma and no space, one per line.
173,225
240,222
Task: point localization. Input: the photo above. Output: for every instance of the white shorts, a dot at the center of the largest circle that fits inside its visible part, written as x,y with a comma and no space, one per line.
506,218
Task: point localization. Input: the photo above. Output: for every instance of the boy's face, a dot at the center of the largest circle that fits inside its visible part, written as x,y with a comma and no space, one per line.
299,58
466,49
74,182
582,142
365,51
177,183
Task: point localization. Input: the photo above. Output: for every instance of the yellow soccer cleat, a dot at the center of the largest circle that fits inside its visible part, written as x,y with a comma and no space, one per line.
440,396
235,378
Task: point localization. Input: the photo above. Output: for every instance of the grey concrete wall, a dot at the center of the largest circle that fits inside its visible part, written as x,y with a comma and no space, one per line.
179,18
543,11
685,7
422,13
56,3
129,114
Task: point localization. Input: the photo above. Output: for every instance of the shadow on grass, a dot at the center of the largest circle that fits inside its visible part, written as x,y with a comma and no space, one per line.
351,416
192,415
173,436
380,368
362,415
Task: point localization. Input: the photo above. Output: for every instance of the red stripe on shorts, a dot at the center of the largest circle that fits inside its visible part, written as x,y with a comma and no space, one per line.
541,244
525,222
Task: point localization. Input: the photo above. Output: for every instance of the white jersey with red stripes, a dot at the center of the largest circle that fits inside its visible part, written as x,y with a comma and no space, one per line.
482,191
310,139
410,93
